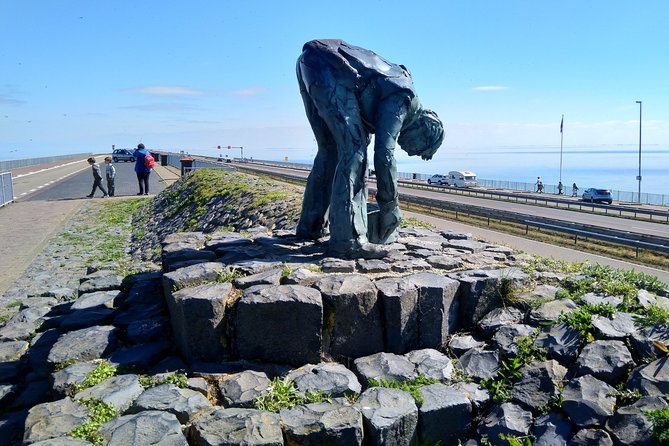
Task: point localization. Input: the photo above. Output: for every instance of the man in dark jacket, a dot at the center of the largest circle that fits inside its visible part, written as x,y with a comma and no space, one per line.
141,170
350,93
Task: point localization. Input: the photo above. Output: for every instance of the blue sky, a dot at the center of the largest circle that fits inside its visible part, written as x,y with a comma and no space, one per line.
82,75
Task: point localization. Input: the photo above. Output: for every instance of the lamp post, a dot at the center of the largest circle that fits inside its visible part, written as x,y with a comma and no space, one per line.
639,176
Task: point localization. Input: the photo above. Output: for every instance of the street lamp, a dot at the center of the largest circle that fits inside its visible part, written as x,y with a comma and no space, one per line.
639,176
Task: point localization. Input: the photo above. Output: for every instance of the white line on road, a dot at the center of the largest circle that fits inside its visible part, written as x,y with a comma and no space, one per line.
48,168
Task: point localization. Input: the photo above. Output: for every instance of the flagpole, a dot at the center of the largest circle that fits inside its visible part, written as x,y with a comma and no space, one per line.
561,137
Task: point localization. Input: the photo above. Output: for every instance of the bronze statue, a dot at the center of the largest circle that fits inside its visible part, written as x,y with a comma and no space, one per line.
350,93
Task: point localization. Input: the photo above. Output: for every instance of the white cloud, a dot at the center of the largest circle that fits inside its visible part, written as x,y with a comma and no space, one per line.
491,88
169,90
167,107
247,92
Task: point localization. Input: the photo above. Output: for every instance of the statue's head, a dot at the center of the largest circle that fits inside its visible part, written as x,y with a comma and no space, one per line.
423,136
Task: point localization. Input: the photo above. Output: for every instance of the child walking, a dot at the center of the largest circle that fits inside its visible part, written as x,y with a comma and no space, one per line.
97,178
111,174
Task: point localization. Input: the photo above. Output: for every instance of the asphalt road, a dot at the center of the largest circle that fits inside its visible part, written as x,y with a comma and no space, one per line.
74,181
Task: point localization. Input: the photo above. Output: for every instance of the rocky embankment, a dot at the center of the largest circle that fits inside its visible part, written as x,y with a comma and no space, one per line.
249,336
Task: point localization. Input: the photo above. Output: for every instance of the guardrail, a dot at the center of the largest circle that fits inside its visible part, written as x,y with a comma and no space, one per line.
634,240
566,203
198,162
6,188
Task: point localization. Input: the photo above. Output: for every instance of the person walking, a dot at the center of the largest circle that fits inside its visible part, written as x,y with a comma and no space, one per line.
141,170
111,175
539,185
97,178
560,187
574,190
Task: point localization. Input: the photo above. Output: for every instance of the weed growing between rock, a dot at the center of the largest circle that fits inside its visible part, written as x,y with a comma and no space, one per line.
103,371
516,441
282,394
581,319
625,397
653,315
408,222
660,420
499,387
178,379
99,413
412,386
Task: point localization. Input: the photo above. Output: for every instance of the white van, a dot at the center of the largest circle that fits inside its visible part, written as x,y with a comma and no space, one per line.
461,178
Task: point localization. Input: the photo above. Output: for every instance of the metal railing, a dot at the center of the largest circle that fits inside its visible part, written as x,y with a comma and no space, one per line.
548,200
6,188
15,164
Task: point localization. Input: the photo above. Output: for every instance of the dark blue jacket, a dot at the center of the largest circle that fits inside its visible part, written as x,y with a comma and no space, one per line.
139,161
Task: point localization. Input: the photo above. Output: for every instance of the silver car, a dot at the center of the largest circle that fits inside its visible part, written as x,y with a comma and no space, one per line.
123,155
437,179
594,195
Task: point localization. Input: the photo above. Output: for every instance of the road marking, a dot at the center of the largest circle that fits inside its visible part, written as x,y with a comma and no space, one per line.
48,168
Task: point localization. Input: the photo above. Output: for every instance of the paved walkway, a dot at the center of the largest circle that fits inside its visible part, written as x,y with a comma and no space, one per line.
27,226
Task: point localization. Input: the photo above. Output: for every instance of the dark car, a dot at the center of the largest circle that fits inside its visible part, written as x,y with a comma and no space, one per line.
594,195
123,155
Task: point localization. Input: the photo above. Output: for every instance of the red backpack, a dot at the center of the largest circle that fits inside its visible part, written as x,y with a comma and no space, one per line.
149,162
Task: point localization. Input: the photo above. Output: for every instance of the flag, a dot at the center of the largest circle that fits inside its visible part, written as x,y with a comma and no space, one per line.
561,122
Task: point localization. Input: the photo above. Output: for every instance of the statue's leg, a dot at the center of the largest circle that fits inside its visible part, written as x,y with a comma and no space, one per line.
313,219
348,204
330,88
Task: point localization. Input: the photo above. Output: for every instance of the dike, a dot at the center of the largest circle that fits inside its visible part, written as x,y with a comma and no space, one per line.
447,339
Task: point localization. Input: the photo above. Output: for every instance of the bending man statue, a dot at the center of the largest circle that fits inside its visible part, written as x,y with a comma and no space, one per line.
350,93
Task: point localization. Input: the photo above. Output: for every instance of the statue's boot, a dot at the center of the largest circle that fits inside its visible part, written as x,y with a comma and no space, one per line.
360,251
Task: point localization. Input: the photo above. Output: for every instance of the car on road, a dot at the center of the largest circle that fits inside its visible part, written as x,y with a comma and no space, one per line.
124,155
437,179
594,195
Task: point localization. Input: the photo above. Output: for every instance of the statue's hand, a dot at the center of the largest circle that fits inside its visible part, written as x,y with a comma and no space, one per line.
389,221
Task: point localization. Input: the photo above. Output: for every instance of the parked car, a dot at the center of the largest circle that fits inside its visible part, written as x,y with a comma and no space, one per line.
437,179
594,195
123,155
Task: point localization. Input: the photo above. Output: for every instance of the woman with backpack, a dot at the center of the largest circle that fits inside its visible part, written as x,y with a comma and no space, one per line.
143,165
